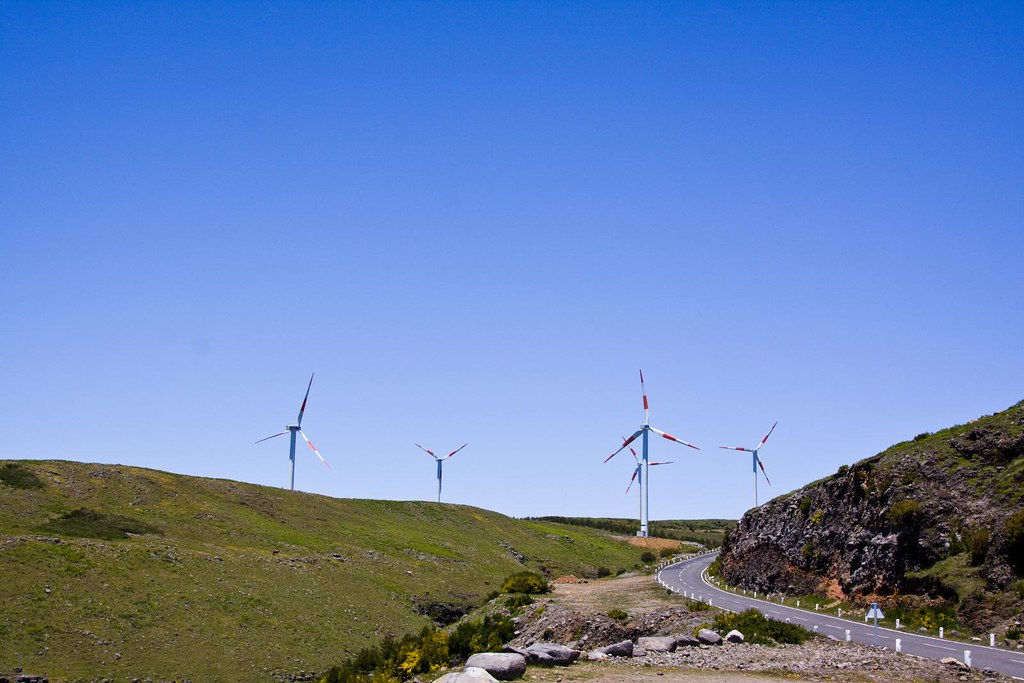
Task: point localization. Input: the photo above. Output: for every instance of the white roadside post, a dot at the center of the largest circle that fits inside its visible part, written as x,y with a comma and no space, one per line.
847,635
899,645
840,612
816,605
897,623
991,640
875,613
815,628
942,632
967,657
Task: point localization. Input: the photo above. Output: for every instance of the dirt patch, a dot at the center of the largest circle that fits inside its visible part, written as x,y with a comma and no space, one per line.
629,592
651,543
568,578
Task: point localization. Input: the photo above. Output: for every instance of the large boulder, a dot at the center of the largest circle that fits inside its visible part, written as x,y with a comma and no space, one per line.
553,654
657,643
686,641
502,665
530,657
708,637
623,649
734,636
471,674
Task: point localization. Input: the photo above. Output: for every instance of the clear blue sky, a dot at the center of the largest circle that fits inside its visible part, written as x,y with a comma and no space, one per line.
476,221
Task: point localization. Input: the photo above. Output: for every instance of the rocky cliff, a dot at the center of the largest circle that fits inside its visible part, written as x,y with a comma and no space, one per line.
940,516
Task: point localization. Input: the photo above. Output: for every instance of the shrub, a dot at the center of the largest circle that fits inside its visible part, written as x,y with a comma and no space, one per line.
667,552
395,660
85,523
488,635
805,506
843,469
1018,587
1014,530
525,582
979,541
618,614
517,600
922,436
647,557
603,572
1013,633
759,630
905,513
17,476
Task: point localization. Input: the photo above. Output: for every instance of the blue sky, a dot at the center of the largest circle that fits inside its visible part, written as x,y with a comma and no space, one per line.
476,221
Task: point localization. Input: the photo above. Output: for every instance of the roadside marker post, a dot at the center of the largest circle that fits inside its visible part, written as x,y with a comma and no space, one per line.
897,623
991,640
967,657
899,645
847,635
816,605
942,632
874,613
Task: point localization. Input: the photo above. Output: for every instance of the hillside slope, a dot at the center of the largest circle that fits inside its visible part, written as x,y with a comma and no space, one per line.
121,572
939,518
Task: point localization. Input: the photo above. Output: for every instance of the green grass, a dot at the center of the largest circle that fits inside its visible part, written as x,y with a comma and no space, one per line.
247,580
706,532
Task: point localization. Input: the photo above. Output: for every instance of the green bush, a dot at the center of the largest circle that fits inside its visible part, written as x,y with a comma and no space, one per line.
843,469
979,541
759,630
647,557
603,572
1014,530
85,523
668,552
1018,587
618,614
805,506
517,600
17,476
1013,633
525,582
905,513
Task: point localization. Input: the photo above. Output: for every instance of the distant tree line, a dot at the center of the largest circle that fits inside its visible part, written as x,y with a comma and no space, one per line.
708,532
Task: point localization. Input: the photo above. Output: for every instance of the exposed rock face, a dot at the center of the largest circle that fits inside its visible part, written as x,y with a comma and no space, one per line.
857,533
504,666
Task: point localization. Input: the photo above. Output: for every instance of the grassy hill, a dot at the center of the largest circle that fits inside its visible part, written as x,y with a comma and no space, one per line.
121,572
708,532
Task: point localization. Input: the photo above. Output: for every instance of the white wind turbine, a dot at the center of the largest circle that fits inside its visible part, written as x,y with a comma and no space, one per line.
296,429
439,460
638,473
645,462
756,458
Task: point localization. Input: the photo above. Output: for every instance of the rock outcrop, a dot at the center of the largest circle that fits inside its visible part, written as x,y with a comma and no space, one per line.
859,533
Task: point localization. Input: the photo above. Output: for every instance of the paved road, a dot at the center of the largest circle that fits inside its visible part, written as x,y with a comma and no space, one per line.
688,577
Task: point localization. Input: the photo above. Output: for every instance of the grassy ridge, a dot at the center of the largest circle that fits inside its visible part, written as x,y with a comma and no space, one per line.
708,532
122,572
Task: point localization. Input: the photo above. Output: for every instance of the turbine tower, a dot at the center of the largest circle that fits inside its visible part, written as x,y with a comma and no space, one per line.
296,429
638,473
439,460
645,428
756,459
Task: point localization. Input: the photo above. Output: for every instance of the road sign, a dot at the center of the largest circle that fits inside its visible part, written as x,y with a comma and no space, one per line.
874,613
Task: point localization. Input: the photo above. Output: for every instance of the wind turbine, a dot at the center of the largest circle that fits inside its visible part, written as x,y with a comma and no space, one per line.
638,473
645,428
296,429
756,459
439,460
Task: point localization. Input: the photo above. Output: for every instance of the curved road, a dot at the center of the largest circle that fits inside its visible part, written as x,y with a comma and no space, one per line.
687,577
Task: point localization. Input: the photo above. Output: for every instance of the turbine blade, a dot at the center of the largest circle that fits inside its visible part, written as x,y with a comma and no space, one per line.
737,448
302,408
310,443
428,452
272,436
456,451
633,478
768,434
643,391
672,438
759,464
633,451
664,462
624,444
